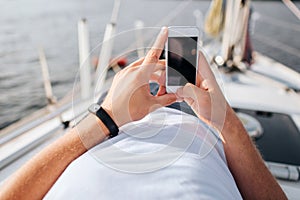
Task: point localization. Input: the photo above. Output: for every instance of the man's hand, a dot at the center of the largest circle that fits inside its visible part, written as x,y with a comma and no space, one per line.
244,161
205,98
129,98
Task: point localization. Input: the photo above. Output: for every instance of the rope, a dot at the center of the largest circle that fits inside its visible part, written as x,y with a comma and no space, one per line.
293,8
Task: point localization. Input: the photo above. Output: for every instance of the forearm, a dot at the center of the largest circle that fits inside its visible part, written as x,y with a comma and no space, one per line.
245,163
36,177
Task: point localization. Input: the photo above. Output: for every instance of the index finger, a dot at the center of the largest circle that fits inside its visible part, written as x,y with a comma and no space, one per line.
153,55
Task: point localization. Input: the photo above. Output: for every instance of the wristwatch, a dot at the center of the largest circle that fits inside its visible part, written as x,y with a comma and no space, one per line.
105,118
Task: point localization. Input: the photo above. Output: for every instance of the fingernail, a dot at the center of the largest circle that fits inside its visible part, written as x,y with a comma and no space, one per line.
163,30
205,84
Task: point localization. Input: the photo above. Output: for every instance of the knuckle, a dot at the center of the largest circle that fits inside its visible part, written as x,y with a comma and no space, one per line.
153,57
129,70
118,74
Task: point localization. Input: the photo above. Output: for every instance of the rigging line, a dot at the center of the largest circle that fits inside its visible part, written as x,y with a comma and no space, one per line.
279,23
277,44
293,8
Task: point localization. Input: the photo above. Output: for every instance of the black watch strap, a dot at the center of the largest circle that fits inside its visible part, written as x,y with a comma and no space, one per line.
106,119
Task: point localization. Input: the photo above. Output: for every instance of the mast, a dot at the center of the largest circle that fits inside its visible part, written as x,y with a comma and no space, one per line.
85,67
107,47
235,29
46,78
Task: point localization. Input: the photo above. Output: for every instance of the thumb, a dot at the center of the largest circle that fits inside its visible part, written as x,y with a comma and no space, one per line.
166,99
188,91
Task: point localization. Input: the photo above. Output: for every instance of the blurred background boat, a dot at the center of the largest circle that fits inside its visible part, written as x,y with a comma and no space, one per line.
53,25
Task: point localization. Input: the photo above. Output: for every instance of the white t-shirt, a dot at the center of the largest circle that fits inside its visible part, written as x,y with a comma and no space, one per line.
166,155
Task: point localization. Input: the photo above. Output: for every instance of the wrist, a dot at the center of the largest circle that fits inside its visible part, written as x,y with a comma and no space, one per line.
117,117
106,117
233,126
99,126
91,131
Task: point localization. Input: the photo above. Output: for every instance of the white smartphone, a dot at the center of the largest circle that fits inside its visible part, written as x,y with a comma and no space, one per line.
181,57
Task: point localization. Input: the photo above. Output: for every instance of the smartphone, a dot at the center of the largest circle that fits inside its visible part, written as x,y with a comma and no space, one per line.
181,57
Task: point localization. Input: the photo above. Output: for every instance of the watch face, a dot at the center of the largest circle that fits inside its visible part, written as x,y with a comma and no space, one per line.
94,108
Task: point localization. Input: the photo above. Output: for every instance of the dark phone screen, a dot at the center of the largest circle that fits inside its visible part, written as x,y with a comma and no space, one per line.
182,55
